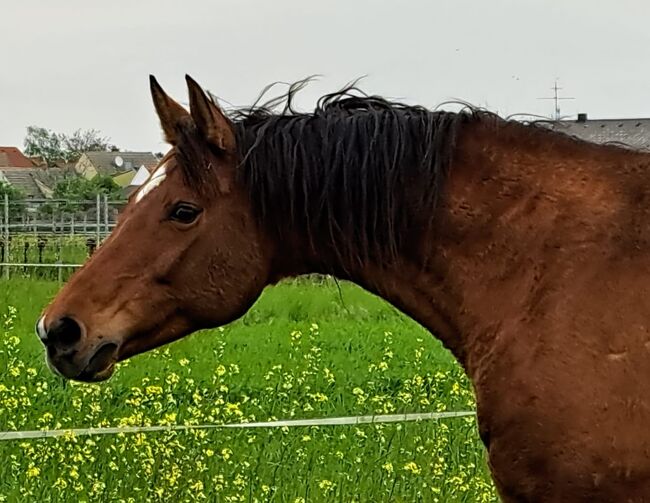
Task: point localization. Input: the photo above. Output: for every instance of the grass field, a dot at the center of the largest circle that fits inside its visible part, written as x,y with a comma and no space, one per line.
301,352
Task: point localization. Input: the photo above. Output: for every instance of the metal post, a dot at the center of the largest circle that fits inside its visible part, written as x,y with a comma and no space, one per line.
98,220
59,260
105,216
6,221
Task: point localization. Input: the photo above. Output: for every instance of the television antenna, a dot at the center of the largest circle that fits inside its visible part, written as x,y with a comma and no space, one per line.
556,98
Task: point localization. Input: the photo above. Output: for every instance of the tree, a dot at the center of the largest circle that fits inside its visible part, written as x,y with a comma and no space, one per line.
44,143
14,195
79,188
9,190
53,146
80,193
89,140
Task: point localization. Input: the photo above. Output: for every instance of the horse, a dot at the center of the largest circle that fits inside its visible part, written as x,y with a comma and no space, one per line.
524,250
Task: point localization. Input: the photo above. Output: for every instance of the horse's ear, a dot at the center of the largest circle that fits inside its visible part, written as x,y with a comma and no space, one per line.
209,119
170,113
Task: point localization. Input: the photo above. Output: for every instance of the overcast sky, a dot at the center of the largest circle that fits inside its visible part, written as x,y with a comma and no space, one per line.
75,64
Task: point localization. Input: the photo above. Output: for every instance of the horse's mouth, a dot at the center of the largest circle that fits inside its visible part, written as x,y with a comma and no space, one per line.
99,368
101,365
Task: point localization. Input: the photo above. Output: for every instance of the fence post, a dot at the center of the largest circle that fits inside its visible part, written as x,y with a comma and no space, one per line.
59,260
98,219
105,216
6,221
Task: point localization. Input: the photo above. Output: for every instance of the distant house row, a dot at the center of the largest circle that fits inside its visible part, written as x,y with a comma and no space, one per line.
130,169
634,133
37,181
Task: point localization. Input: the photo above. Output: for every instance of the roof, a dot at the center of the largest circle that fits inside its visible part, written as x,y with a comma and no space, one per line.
51,176
11,157
124,179
34,182
108,163
140,177
22,179
634,133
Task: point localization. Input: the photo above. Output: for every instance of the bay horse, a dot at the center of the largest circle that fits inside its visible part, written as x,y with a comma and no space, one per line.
526,251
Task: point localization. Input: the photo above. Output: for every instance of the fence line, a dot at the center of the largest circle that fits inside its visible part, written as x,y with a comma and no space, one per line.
50,238
328,421
28,264
60,216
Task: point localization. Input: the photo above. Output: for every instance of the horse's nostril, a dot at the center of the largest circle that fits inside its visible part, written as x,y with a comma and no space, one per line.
63,332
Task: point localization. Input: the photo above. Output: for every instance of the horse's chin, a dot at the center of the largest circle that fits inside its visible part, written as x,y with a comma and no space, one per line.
102,375
85,376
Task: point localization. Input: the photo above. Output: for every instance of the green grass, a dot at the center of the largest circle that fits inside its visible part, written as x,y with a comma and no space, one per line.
304,350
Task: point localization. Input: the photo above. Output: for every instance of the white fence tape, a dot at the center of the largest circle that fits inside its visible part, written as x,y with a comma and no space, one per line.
328,421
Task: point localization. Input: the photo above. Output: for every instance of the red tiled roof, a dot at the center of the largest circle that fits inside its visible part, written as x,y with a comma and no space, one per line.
11,157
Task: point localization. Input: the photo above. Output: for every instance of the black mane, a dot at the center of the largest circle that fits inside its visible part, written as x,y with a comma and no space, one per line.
357,176
351,174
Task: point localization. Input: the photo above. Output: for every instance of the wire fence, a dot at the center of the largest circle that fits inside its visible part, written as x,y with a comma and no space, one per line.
287,423
49,238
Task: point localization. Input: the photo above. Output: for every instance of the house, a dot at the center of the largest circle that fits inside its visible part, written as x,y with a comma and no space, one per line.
22,173
27,181
140,176
633,133
91,164
11,157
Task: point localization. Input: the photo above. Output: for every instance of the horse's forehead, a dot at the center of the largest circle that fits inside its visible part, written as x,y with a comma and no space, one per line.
156,178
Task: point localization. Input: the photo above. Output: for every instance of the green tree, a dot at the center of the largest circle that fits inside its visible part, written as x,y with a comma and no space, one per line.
81,193
88,140
44,143
79,188
14,195
53,146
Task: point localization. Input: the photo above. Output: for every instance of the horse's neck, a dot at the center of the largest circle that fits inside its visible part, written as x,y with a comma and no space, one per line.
509,210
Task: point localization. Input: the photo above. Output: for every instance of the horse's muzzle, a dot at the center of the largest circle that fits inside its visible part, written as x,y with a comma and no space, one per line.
69,355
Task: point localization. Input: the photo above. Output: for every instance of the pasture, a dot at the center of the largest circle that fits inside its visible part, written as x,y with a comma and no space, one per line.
304,351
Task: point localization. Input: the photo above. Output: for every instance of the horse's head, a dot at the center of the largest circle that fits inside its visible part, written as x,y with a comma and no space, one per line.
186,254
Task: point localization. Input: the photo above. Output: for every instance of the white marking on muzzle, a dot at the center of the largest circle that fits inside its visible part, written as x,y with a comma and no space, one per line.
156,179
40,329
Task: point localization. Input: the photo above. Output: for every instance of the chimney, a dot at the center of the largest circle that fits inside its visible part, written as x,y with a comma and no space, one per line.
582,117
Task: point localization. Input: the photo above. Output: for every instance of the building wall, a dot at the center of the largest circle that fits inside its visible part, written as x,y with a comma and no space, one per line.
85,168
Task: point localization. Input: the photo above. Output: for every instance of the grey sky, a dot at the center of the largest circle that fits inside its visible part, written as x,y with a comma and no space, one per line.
84,64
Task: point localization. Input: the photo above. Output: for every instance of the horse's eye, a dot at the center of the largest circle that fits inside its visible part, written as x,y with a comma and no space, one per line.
184,213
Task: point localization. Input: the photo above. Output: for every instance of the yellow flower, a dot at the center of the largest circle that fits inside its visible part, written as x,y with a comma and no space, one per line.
60,483
33,472
388,467
326,485
153,390
413,468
